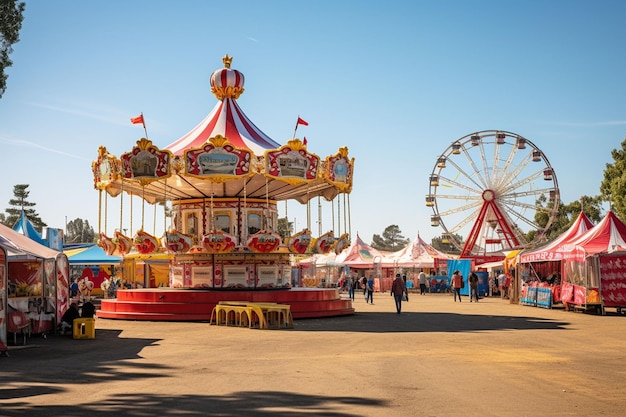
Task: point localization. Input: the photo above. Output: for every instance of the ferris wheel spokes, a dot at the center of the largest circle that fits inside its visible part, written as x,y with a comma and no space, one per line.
491,179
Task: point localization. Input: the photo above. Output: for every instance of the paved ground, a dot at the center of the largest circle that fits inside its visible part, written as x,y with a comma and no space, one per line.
438,358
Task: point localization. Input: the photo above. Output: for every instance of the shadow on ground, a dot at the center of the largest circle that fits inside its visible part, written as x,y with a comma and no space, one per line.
250,404
60,358
425,322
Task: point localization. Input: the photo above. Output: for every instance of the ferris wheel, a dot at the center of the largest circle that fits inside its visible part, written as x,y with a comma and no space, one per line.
496,190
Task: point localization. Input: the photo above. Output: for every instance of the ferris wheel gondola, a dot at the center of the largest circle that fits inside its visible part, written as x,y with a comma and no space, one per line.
496,190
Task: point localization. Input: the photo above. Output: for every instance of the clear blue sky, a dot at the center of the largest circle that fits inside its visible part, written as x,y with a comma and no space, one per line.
395,82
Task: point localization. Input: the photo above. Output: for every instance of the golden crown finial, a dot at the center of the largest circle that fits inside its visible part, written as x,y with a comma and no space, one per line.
227,60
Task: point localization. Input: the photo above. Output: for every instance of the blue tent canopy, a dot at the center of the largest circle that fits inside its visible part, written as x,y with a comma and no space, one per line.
25,227
90,255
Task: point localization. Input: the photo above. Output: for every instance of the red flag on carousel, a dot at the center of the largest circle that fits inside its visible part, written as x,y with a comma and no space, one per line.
300,121
304,140
137,120
140,121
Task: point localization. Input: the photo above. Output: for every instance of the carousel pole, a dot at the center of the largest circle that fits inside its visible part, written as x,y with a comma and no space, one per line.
349,217
332,216
319,216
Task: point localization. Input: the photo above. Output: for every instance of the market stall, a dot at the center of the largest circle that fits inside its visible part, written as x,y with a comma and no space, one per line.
539,271
588,268
90,265
37,281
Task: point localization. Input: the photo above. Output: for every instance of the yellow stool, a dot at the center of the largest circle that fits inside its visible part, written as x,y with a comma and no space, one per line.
84,328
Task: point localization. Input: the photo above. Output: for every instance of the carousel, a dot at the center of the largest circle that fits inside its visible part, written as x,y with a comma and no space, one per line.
220,186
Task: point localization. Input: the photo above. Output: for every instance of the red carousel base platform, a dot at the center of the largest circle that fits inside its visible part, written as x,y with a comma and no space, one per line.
169,304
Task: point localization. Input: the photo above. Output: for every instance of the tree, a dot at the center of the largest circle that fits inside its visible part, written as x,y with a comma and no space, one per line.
613,186
284,228
444,244
20,203
11,17
391,240
592,206
79,231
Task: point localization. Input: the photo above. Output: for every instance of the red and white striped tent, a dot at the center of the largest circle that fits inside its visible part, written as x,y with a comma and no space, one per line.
606,237
550,251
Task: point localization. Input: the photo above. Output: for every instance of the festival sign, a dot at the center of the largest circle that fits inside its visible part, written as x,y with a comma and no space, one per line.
613,278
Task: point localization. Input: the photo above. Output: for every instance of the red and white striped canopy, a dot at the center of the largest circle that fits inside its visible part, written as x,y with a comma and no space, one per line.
226,119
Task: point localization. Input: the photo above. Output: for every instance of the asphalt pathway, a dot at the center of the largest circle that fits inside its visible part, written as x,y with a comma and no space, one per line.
437,358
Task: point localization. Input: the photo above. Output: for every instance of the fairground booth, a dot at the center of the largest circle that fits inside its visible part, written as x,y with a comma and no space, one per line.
583,268
34,283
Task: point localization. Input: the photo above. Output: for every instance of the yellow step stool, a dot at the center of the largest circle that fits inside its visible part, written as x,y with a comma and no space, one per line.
84,328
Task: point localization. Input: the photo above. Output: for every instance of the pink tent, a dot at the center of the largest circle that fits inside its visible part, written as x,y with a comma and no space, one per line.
360,255
550,251
418,254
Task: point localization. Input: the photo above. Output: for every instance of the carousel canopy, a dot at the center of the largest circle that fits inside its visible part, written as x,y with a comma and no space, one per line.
226,119
225,155
549,251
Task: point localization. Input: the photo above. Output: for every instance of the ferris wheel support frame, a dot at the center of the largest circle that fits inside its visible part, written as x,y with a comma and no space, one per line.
510,237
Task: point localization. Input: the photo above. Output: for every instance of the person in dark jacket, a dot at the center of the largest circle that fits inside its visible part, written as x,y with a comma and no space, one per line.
67,320
397,290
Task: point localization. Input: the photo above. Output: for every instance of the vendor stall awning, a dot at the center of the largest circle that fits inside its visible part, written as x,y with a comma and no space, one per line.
18,245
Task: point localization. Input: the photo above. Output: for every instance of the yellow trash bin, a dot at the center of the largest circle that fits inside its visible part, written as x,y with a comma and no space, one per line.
84,328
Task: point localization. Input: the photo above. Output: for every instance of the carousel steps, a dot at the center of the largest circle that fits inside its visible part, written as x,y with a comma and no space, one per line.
164,304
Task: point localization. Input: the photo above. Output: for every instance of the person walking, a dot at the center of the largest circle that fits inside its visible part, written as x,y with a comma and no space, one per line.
398,288
457,284
473,283
406,292
354,283
422,281
364,285
369,298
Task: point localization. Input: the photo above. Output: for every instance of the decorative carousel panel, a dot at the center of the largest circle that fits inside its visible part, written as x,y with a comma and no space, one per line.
145,243
177,242
105,169
338,170
325,242
300,242
218,242
292,163
218,160
146,162
264,241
